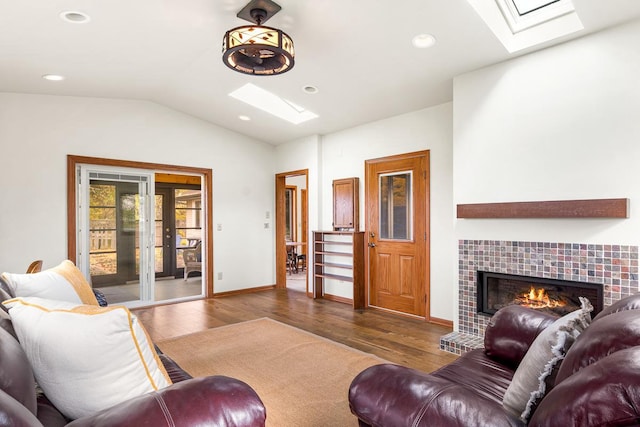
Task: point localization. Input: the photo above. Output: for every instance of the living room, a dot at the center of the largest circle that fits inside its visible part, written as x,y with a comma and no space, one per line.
555,124
571,139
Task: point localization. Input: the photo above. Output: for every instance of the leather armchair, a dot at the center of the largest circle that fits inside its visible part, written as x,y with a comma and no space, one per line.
598,382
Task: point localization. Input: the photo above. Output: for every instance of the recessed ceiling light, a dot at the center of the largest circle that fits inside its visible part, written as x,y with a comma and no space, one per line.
272,104
310,89
244,118
423,41
75,17
53,77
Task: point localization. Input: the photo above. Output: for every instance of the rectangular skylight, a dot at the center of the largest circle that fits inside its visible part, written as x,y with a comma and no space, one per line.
272,104
525,6
520,24
524,14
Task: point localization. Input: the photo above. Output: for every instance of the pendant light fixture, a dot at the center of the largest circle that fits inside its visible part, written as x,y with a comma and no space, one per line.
256,49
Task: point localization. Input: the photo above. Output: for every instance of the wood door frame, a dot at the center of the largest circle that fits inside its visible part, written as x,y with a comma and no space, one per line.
280,247
427,271
73,161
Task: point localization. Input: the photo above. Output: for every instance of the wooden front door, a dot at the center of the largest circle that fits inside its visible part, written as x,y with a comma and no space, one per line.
397,200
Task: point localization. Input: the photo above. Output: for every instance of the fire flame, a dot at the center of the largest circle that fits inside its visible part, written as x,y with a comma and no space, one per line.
538,298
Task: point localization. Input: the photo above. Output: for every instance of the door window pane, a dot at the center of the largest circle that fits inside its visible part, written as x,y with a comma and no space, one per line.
129,252
102,229
188,221
159,230
396,206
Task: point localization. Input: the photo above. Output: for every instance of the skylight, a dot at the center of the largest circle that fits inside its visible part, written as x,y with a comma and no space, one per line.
272,104
520,24
526,6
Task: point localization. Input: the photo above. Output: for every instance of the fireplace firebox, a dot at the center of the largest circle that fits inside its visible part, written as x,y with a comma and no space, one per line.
497,290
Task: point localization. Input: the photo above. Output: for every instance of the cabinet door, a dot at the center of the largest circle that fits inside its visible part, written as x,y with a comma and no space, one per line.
345,204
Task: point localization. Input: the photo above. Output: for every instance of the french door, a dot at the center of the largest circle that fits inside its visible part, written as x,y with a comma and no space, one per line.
165,232
178,225
116,241
113,232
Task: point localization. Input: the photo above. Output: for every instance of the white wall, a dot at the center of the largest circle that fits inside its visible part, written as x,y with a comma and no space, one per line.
37,132
343,155
562,123
558,124
298,155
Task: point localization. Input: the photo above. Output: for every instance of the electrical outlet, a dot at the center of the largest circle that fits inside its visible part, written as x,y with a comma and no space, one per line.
267,215
266,225
219,227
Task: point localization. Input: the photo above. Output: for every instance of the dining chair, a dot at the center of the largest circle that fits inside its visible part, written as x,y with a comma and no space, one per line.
292,260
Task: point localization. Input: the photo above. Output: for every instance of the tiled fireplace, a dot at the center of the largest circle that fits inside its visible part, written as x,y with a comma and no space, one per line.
615,267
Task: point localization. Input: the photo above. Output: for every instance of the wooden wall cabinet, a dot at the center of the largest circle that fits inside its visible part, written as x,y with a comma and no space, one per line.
346,210
339,257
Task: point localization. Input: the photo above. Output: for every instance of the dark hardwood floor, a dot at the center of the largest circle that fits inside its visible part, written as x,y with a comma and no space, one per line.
398,339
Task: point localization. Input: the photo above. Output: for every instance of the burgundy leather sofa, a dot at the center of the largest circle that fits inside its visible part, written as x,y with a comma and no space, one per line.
209,401
597,383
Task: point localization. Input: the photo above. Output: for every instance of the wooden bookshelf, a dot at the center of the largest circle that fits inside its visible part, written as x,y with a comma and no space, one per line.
339,256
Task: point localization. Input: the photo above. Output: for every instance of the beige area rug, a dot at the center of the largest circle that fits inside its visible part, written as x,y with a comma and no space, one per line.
303,379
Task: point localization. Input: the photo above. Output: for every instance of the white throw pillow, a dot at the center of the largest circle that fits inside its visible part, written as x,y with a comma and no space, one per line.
528,385
86,358
63,282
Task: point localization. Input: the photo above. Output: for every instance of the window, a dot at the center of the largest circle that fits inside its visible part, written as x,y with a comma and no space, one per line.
188,214
188,220
396,206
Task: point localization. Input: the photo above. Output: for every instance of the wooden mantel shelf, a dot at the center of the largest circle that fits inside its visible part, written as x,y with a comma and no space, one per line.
593,208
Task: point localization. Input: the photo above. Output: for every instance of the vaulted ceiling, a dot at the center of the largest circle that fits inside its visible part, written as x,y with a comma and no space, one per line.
357,53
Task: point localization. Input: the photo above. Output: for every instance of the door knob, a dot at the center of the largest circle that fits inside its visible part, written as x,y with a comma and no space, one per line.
372,245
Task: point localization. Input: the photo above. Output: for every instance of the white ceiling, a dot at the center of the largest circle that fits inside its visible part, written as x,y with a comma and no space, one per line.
357,53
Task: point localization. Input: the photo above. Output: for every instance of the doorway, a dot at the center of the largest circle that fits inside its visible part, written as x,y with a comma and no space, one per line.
138,237
397,224
292,231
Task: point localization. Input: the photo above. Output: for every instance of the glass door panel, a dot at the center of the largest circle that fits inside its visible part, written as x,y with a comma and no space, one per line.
395,206
160,266
102,230
188,222
114,239
182,231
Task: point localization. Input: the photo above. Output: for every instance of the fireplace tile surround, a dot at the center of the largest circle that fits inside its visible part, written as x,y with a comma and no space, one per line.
613,266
